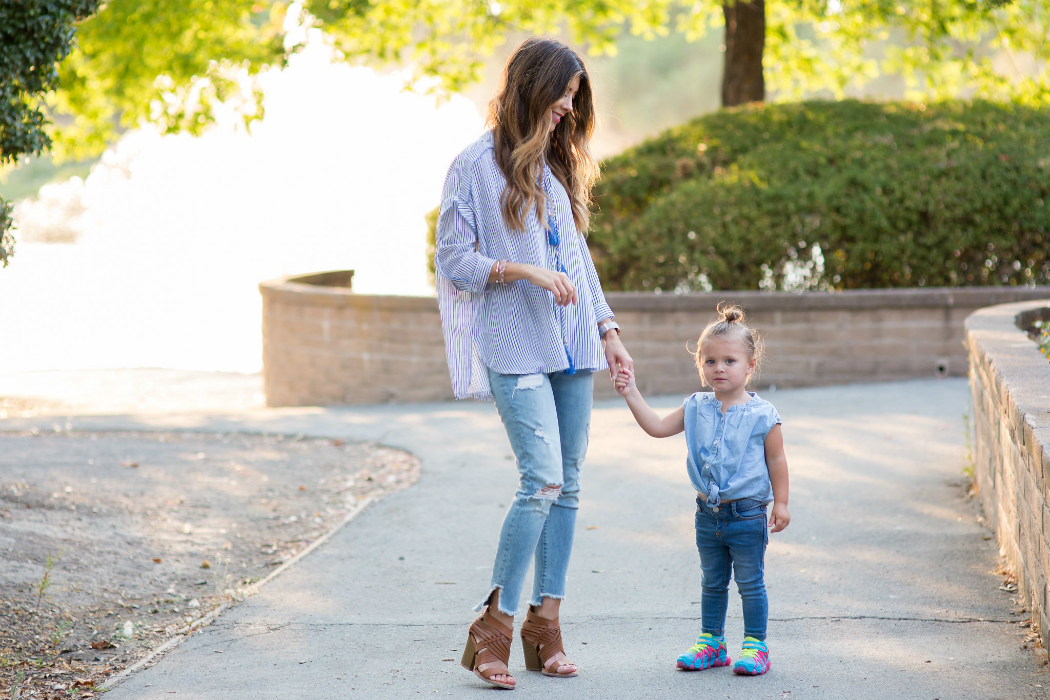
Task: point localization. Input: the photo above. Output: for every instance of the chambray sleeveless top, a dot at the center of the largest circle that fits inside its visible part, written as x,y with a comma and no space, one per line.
726,451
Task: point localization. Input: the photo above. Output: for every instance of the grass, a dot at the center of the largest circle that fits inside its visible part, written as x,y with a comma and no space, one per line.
27,179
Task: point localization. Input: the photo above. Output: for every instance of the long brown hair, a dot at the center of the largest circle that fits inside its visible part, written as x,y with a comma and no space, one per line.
536,76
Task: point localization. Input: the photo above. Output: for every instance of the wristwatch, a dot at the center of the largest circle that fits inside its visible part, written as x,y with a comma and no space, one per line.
606,327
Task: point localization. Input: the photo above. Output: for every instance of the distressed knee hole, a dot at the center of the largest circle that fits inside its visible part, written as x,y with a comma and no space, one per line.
550,492
527,382
542,435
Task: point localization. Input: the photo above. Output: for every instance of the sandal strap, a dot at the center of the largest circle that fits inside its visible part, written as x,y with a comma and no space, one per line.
492,641
545,634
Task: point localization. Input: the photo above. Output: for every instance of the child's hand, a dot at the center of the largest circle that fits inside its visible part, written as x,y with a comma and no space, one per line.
624,381
779,518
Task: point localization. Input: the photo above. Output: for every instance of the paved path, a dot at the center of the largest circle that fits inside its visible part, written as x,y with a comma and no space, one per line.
881,588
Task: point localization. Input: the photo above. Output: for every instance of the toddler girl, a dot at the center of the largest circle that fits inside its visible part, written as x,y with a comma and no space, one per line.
737,465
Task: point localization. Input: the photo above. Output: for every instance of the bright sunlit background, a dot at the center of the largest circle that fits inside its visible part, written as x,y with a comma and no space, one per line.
173,234
153,259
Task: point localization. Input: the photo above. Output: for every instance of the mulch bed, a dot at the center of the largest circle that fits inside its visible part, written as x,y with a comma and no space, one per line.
111,543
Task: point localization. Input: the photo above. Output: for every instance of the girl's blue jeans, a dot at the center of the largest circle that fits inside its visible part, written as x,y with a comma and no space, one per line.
547,417
732,539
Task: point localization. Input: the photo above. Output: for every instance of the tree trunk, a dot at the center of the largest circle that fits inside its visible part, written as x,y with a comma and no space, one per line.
745,38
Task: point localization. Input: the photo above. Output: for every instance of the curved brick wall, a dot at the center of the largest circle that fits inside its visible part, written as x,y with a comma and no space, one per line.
1010,381
324,345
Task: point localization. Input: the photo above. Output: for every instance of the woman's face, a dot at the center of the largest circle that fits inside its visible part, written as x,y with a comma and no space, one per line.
564,105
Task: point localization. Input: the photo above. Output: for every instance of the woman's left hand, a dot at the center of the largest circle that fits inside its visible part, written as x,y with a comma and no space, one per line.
616,354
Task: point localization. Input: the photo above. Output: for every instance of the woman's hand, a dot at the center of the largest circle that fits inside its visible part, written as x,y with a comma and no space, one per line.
616,354
557,283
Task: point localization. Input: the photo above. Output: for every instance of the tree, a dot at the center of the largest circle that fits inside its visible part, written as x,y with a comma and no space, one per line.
34,36
168,63
943,48
133,61
745,39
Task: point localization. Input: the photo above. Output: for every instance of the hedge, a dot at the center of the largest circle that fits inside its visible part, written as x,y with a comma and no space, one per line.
831,195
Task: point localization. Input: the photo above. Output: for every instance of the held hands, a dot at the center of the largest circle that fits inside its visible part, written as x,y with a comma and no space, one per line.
616,355
779,517
624,382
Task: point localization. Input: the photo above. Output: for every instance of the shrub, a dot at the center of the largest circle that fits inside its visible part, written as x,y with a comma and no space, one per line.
831,195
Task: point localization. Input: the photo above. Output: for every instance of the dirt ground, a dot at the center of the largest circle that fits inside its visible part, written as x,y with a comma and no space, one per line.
111,543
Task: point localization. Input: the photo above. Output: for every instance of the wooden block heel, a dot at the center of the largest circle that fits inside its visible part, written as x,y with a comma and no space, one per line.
468,654
532,656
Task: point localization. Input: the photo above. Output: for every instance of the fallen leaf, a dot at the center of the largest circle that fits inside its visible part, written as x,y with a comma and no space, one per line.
337,443
302,488
592,527
157,560
205,564
103,644
129,465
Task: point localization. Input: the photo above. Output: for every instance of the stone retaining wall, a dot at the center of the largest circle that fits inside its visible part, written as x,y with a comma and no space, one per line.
324,345
1010,381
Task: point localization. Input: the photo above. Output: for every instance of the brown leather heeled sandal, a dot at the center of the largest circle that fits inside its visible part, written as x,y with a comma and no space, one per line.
488,644
541,639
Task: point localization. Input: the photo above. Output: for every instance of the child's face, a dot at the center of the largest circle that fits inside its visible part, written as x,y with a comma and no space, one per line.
725,364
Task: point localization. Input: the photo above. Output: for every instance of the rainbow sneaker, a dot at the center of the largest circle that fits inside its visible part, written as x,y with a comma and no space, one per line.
708,651
754,658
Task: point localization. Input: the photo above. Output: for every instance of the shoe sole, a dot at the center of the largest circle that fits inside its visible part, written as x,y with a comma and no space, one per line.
740,671
714,664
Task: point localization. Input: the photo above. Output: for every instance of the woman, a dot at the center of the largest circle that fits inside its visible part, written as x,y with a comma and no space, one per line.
525,322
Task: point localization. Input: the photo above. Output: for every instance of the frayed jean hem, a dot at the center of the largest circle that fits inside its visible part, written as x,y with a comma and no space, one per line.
485,601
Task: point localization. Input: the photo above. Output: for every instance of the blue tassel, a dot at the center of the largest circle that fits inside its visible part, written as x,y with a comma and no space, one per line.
572,366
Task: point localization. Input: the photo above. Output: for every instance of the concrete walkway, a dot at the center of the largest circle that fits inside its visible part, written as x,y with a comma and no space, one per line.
882,587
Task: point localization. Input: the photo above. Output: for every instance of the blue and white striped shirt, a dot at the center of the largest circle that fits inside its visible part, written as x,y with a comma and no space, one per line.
517,328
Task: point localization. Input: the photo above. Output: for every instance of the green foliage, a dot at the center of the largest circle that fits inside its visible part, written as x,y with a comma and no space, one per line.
831,195
34,36
1041,332
449,39
942,48
163,62
432,222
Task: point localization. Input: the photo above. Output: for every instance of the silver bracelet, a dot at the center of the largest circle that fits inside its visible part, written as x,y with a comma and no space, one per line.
606,327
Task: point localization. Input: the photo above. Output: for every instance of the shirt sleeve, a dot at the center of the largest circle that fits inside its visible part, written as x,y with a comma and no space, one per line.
601,307
456,255
771,419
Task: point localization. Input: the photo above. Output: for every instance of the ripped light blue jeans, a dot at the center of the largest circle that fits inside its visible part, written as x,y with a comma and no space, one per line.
547,417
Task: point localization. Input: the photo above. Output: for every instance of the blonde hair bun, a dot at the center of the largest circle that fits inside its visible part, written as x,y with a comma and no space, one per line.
730,313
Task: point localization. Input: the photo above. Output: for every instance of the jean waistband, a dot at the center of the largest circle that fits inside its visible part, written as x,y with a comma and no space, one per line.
731,508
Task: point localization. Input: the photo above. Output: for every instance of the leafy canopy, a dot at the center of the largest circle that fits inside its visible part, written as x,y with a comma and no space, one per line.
163,62
943,48
170,63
